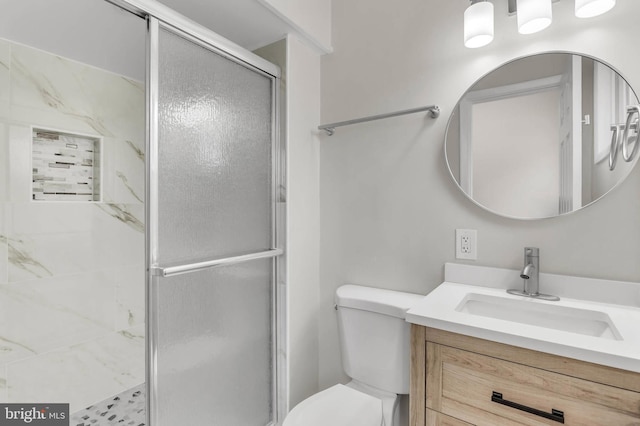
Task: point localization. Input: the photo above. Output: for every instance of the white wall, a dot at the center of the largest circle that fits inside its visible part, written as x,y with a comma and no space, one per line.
300,66
310,18
303,217
300,87
389,208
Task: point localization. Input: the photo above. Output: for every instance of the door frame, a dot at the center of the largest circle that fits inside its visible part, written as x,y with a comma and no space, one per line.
489,95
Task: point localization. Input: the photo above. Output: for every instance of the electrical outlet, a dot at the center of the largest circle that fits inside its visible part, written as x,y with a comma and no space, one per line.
467,244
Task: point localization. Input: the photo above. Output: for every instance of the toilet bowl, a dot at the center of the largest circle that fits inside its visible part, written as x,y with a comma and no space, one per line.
339,405
374,342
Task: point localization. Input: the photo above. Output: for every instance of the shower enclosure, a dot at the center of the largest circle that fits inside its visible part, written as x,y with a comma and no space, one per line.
92,212
212,252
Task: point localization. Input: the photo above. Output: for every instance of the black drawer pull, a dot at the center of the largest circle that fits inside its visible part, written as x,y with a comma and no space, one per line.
555,415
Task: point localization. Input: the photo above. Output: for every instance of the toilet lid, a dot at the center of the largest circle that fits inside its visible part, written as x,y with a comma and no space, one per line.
337,406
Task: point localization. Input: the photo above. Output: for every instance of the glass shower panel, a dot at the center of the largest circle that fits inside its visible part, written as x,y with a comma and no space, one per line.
214,346
211,190
215,131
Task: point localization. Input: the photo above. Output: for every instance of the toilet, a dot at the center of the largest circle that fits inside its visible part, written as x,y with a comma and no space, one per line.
375,345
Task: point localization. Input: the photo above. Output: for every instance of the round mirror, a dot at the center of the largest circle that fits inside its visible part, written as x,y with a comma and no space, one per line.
543,135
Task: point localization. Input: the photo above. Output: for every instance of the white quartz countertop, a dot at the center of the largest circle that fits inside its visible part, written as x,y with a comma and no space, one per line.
442,309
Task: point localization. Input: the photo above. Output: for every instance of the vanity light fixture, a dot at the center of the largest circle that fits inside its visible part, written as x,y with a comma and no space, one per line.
532,16
590,8
478,24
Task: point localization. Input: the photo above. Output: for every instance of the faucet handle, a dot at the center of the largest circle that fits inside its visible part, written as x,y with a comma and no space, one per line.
532,252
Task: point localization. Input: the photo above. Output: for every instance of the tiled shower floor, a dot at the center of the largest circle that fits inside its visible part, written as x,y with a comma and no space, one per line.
125,409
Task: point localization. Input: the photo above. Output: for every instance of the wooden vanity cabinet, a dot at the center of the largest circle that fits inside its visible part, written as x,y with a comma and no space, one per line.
458,380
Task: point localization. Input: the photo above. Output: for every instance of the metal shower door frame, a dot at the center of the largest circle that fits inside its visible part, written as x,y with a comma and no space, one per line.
151,206
157,16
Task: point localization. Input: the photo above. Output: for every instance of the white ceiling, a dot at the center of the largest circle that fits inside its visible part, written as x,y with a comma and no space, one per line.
100,34
245,22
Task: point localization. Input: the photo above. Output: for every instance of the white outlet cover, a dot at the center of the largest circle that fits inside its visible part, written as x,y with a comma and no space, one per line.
467,244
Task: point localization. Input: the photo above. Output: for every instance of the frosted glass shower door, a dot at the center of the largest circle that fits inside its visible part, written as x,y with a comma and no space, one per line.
211,235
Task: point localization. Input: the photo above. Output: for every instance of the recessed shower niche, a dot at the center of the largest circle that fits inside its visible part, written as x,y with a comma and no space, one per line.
65,166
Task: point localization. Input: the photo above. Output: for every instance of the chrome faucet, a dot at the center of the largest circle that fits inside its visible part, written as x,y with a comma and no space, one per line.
530,272
530,275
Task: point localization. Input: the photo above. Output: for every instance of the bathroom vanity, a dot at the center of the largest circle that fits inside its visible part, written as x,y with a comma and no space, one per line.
462,380
476,362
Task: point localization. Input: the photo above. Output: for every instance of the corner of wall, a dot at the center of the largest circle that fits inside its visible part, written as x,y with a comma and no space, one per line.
303,220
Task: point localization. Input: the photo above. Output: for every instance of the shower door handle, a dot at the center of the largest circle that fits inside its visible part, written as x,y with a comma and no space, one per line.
198,266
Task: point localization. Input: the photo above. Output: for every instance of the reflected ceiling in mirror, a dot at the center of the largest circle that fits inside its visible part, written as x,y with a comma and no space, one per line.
543,135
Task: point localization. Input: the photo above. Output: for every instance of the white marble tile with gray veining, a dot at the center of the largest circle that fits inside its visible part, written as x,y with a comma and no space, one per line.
45,255
3,383
23,262
119,235
130,215
4,163
70,271
82,374
115,238
124,172
42,217
4,252
45,314
74,96
130,296
4,259
20,165
5,77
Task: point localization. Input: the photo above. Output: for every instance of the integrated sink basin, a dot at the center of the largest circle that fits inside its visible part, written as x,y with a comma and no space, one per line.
540,314
595,320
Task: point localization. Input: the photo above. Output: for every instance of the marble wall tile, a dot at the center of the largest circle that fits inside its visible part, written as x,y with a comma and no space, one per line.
44,217
70,272
46,239
130,297
124,171
20,164
5,77
74,96
3,383
129,172
47,255
82,374
119,233
4,162
4,256
41,315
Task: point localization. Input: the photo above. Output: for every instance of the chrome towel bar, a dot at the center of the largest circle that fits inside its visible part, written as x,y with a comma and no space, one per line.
434,112
192,267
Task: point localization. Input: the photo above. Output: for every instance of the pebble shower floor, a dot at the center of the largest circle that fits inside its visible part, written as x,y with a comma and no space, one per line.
125,409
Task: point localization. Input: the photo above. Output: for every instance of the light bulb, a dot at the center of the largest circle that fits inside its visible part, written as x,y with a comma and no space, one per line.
533,15
478,24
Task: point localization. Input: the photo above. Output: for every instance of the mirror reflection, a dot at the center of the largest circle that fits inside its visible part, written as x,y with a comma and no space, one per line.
543,135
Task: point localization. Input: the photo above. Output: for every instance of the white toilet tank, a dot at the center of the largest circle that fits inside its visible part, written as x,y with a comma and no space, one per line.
374,337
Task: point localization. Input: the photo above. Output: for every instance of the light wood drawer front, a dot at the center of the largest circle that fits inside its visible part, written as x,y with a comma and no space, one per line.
438,419
460,384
